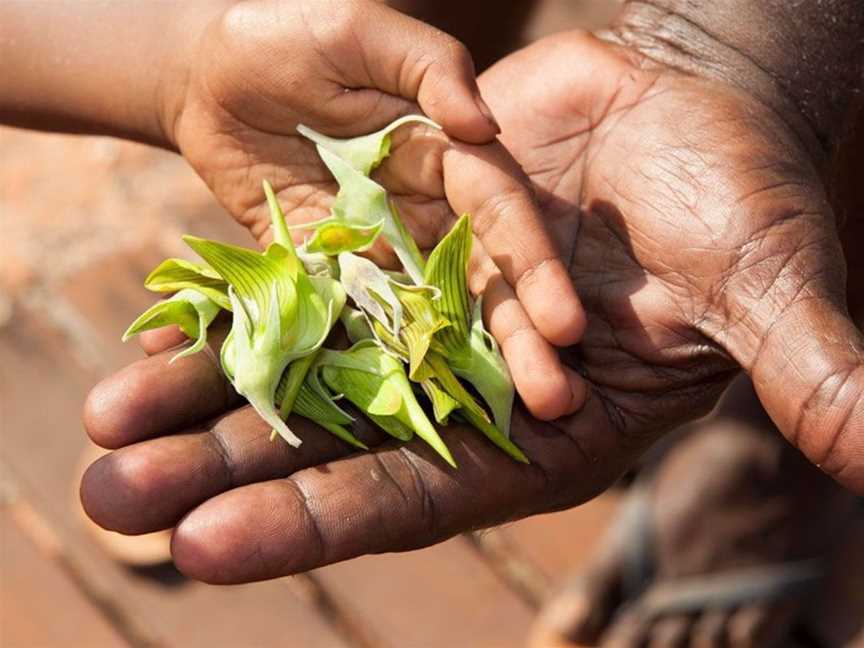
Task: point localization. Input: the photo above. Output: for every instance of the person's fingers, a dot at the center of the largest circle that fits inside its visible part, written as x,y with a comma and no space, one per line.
488,184
709,630
149,486
762,625
548,388
629,630
408,58
161,339
396,498
808,370
671,632
155,396
344,67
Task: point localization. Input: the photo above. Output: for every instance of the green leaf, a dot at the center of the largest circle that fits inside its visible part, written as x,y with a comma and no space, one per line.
173,275
189,309
376,382
366,152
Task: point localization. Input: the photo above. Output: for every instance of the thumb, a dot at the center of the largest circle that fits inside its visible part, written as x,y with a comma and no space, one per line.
806,360
413,63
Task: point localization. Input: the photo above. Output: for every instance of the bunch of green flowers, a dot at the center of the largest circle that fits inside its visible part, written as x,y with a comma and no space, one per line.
418,337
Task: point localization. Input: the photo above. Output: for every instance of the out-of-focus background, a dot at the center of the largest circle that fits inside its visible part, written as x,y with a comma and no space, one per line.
82,221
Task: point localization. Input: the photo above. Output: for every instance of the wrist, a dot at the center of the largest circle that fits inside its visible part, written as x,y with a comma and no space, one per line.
188,28
803,60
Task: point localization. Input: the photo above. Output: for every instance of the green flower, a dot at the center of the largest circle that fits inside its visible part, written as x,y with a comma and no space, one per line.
361,209
301,391
375,382
178,274
189,309
366,152
280,313
471,352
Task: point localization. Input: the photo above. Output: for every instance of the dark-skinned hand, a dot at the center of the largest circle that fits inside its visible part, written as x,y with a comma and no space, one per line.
701,242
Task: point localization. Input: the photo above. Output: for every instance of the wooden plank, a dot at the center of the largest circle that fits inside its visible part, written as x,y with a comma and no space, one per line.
39,604
42,389
445,595
535,556
559,543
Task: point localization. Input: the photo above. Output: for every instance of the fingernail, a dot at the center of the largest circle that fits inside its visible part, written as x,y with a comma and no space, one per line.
484,109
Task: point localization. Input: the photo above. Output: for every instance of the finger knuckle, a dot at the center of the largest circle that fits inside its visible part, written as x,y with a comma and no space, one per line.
830,421
498,207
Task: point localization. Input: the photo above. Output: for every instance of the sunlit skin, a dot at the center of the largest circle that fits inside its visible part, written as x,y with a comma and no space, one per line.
701,241
366,66
226,85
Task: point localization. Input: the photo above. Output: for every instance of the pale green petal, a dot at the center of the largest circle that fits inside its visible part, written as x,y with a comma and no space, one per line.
361,202
442,403
356,325
189,309
309,403
252,275
281,235
318,264
424,322
488,373
471,352
446,270
469,408
369,286
226,355
173,275
392,426
318,408
376,382
258,366
366,152
334,237
290,384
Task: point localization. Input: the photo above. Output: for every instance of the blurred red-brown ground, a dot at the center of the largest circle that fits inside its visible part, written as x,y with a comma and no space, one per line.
82,220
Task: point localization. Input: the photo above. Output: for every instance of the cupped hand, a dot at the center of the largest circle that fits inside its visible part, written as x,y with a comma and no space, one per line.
346,69
705,243
696,214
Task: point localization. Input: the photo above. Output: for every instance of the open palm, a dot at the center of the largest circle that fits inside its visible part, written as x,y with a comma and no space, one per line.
700,238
